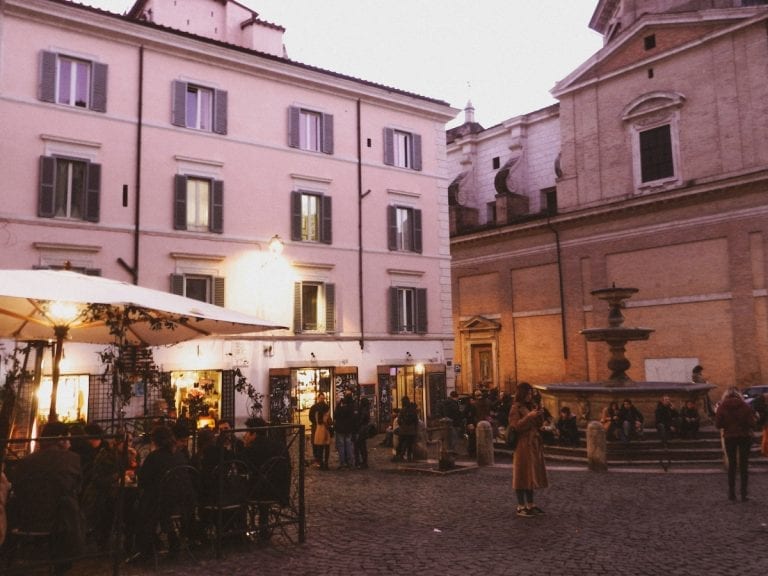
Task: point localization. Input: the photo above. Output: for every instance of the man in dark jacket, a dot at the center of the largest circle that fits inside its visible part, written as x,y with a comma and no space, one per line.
46,487
345,425
630,420
667,419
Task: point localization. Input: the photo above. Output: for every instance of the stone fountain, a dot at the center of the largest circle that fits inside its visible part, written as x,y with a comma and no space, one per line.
587,399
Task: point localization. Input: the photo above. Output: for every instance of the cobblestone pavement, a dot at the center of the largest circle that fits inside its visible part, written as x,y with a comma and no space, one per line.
389,521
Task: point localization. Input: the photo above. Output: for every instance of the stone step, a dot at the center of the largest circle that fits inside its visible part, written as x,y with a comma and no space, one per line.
649,451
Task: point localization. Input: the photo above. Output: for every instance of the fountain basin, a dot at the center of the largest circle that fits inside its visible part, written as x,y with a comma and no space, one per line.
588,399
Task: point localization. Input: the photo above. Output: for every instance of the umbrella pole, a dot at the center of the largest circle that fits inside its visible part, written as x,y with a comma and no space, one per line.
60,332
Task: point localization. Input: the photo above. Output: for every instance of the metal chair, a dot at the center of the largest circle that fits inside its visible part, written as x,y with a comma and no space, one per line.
223,502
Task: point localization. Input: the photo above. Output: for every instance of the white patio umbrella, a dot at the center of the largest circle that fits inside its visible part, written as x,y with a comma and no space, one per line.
65,305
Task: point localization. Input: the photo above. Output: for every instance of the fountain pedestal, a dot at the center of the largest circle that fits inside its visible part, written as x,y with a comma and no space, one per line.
587,399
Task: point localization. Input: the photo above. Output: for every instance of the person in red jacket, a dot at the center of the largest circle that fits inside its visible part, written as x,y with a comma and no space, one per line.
736,420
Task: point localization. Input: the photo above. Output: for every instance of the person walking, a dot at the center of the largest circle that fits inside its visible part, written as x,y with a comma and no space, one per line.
736,420
528,470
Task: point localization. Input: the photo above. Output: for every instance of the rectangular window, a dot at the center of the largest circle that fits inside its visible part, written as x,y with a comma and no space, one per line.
490,212
202,287
404,229
199,108
73,81
310,217
69,188
402,149
310,130
69,192
408,310
314,307
656,161
549,201
198,204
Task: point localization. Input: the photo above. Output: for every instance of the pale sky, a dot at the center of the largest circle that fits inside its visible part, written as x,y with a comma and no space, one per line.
504,55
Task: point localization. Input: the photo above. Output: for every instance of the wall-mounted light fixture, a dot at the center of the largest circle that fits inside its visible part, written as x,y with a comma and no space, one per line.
408,357
276,245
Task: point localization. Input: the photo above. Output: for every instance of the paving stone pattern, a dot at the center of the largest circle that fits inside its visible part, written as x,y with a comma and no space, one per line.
387,521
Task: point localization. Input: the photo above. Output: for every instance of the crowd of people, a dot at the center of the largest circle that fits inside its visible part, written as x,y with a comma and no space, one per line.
347,428
75,485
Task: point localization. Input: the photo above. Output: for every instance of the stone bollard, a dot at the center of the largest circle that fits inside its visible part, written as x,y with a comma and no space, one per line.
597,449
484,436
447,456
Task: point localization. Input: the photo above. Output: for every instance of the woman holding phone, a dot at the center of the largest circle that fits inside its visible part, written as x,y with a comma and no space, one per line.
528,470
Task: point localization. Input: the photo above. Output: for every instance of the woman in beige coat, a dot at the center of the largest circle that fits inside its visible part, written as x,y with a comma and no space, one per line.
528,470
323,435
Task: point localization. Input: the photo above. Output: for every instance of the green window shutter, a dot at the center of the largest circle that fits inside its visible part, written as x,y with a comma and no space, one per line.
220,98
297,320
392,227
179,104
93,193
217,207
417,231
394,310
180,202
416,151
99,87
47,88
46,207
389,146
218,290
326,142
421,310
330,308
296,216
177,284
326,229
294,113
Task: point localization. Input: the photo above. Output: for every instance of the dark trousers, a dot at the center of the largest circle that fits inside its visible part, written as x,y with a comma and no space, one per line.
737,451
361,450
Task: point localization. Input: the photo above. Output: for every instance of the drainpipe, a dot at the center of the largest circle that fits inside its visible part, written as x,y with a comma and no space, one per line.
360,196
562,292
134,270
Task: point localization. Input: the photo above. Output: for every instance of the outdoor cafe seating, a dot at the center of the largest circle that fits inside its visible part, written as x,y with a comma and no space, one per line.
237,505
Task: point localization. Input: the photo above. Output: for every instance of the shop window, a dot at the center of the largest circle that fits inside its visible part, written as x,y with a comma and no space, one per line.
71,397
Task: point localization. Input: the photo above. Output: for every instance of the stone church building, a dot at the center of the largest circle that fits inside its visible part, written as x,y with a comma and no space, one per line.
650,172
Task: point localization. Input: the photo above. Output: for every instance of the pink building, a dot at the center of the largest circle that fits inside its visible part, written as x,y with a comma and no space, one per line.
168,146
